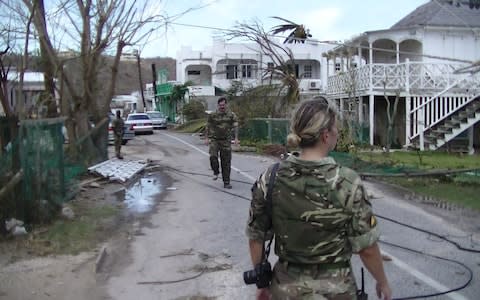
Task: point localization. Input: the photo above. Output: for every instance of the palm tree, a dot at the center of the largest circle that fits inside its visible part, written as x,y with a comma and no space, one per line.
299,33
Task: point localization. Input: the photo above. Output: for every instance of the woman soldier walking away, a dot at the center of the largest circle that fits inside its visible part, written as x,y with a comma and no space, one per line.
320,216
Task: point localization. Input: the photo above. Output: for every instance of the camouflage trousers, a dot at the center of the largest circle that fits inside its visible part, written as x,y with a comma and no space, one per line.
292,282
223,147
118,144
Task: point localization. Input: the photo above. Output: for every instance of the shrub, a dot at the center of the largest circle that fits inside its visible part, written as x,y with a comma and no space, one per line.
195,109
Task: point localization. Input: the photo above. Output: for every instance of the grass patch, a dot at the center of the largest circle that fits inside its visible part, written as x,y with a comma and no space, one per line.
73,236
451,191
461,189
192,126
424,160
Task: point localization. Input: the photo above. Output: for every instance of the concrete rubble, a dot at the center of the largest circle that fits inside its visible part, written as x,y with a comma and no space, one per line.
119,170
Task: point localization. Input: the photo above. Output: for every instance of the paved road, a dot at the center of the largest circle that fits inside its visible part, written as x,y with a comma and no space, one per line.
197,231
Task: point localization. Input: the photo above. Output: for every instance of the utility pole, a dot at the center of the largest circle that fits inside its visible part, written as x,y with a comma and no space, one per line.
154,73
137,54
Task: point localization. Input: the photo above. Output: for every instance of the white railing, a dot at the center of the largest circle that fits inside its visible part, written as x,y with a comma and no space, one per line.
346,82
427,112
408,76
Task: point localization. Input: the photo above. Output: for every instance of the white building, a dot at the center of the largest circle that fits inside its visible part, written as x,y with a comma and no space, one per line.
127,103
28,100
216,67
419,58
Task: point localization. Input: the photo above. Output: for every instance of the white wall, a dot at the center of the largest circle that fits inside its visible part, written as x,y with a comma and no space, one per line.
452,43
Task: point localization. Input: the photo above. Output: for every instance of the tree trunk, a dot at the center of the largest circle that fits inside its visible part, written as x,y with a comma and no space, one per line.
86,149
47,67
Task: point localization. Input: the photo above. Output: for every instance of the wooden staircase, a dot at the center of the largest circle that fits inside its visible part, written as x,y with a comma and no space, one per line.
442,133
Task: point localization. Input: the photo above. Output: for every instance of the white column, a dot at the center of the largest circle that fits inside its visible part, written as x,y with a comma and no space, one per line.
371,104
471,151
371,116
334,72
421,126
407,119
359,61
408,104
370,61
407,75
328,73
398,53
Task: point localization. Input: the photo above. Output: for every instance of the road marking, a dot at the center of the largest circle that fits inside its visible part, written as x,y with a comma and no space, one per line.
423,277
206,154
399,263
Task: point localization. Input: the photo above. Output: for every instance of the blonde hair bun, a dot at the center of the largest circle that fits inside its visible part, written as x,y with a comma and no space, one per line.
293,140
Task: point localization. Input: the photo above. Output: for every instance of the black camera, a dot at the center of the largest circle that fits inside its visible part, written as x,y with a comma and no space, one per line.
261,275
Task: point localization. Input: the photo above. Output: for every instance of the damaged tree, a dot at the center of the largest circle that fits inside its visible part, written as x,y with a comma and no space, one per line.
100,30
391,113
283,68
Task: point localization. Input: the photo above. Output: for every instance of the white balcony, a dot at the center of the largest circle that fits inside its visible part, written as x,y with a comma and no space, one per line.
410,77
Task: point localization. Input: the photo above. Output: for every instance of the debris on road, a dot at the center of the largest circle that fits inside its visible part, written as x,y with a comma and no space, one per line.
67,212
15,227
120,170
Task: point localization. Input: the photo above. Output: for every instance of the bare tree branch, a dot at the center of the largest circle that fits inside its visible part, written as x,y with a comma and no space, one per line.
281,56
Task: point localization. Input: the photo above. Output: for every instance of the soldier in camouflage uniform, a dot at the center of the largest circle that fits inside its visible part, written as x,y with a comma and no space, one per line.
219,135
118,128
321,215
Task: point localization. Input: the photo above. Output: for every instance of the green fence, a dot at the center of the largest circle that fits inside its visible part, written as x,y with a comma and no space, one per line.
272,131
34,164
275,131
360,132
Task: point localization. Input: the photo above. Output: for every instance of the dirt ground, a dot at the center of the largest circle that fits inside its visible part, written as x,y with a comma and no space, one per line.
32,268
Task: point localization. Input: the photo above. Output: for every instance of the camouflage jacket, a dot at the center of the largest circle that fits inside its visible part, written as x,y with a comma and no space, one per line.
118,126
321,212
220,125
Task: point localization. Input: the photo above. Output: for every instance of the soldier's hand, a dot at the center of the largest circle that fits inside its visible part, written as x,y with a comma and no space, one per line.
383,291
206,141
263,294
236,142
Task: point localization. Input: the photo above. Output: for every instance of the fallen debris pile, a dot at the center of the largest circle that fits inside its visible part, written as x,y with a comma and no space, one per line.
119,170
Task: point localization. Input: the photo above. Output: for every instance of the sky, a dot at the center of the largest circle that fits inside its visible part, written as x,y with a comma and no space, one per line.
326,19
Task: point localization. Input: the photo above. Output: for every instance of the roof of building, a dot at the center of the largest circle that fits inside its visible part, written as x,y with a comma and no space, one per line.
450,13
27,76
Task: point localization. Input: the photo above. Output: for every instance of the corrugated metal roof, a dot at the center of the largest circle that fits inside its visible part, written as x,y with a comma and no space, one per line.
121,170
441,13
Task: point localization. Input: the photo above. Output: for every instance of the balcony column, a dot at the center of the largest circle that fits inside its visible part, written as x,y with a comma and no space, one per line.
370,63
408,106
359,60
342,63
334,64
371,106
398,52
328,67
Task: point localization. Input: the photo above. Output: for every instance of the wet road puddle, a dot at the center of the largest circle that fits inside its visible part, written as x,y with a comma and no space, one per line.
142,195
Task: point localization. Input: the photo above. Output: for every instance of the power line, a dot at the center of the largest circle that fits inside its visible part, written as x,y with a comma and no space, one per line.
315,41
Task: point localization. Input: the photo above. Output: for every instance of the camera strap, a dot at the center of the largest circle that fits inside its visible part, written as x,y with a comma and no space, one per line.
268,197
